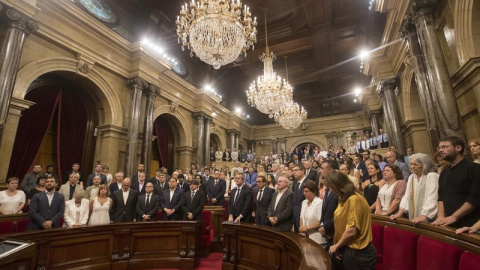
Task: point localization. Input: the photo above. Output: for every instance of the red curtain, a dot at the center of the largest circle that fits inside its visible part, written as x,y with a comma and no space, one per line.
71,128
32,129
165,143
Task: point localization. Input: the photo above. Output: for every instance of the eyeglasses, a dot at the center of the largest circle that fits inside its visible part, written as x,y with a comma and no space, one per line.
294,170
443,147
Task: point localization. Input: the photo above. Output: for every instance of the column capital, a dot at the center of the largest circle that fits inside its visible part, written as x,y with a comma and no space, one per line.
152,90
16,19
374,113
199,115
137,82
419,5
389,84
408,26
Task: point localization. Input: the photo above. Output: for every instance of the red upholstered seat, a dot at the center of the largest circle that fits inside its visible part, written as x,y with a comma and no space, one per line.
399,249
207,230
6,227
432,255
377,232
159,215
22,225
469,261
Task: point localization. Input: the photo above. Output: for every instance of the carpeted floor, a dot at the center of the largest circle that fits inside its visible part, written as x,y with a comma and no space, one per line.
212,262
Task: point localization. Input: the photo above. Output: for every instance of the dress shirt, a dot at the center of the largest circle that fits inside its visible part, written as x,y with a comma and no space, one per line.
119,185
171,194
237,193
125,197
148,198
279,196
260,194
50,197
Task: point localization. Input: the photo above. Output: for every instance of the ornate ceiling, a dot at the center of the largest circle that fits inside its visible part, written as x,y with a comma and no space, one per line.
321,38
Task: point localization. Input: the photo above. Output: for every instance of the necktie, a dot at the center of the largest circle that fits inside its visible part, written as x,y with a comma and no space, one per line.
215,183
193,195
148,200
308,171
260,195
236,195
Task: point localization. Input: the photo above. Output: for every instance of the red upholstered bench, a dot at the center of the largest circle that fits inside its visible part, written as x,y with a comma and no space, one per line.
207,232
399,249
377,231
22,225
432,254
469,261
7,227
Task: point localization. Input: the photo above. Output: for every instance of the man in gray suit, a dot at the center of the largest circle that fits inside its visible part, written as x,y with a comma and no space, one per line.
391,157
280,212
46,208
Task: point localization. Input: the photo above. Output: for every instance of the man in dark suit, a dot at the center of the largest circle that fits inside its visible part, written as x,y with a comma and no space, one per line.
193,202
147,204
261,201
171,201
124,202
240,201
160,185
298,197
46,209
118,185
182,184
97,172
311,174
75,169
280,211
135,176
140,185
330,202
216,190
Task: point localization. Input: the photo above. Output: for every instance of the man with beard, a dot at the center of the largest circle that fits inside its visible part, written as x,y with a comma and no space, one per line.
46,208
30,179
459,186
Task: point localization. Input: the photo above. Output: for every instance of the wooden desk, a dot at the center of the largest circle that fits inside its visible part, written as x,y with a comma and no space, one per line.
117,246
248,246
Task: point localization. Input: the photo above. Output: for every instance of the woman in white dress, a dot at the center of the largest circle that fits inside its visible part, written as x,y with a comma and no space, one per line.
100,207
391,193
76,210
420,202
12,200
311,213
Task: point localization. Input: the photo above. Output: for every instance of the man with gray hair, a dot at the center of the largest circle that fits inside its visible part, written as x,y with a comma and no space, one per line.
391,157
69,188
280,211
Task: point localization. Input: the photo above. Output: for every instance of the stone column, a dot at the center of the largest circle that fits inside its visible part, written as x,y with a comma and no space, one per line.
237,136
417,62
444,101
206,157
231,132
374,121
199,116
329,140
136,85
386,91
19,27
273,145
152,91
283,144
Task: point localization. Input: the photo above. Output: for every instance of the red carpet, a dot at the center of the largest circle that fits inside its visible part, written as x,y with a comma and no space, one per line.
212,262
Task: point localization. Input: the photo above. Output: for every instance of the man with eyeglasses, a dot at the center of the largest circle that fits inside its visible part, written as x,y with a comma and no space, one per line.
459,186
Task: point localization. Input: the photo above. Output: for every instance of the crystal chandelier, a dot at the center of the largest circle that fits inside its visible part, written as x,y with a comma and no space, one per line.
269,92
291,116
216,31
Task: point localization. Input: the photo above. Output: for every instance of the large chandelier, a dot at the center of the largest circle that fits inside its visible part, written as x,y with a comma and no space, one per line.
216,31
269,92
291,116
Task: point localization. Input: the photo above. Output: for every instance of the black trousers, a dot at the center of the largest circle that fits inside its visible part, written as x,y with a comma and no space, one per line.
359,259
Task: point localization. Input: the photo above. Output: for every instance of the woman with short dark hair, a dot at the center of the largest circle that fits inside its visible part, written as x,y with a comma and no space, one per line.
390,195
353,229
12,200
311,213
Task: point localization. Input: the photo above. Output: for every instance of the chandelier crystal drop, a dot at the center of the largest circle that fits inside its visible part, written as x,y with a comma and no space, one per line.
269,92
217,31
291,116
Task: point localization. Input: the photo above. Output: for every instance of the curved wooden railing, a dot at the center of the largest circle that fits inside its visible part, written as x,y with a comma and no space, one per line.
116,246
249,246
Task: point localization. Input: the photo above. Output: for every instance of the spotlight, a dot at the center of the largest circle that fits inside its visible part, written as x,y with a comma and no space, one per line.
248,116
214,114
238,110
355,100
363,54
357,91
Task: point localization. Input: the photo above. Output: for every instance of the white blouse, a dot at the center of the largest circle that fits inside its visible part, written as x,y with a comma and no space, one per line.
10,204
74,214
310,214
385,195
421,196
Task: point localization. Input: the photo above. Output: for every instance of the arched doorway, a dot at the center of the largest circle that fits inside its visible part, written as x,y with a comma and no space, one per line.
164,146
215,142
59,129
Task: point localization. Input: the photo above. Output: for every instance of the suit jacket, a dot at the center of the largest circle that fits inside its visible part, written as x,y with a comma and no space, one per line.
158,189
39,210
242,205
194,206
70,214
175,203
251,179
330,203
113,187
151,209
261,207
120,211
67,176
283,211
313,175
404,168
65,190
298,198
136,186
103,179
216,191
185,188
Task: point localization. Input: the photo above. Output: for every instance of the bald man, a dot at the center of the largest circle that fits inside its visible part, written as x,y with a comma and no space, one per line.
124,202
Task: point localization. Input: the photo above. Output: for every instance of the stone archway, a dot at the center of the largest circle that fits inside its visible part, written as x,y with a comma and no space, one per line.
215,142
412,108
222,140
467,29
181,123
304,141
